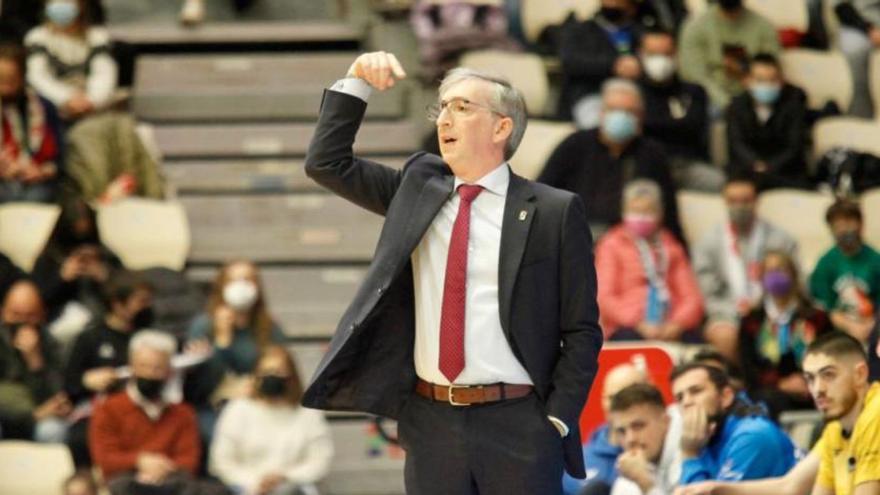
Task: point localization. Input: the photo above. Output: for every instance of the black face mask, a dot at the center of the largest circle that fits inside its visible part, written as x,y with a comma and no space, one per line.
730,5
848,240
612,14
143,318
150,388
273,386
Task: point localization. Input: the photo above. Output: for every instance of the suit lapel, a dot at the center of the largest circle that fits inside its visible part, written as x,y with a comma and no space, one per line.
519,210
433,196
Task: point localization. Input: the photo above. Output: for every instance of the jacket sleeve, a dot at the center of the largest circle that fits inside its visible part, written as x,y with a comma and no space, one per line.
579,314
739,151
710,277
688,308
791,147
822,285
745,456
695,470
557,168
330,160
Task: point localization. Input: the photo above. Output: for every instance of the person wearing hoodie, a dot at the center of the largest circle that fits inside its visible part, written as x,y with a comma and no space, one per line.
649,433
767,127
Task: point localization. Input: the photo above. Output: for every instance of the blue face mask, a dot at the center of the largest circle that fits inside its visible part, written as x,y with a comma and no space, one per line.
765,93
619,125
62,13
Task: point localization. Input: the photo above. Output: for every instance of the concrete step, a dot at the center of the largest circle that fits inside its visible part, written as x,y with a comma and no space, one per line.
243,175
218,87
276,139
280,228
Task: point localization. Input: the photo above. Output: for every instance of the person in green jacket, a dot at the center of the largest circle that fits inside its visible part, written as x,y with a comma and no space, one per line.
846,280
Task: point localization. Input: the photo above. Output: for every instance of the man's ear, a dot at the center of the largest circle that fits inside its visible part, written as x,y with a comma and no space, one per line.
503,129
728,395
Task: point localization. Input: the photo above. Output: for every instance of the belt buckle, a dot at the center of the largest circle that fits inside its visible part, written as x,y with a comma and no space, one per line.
452,389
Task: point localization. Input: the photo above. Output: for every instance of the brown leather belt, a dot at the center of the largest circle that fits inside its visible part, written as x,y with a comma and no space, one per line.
467,395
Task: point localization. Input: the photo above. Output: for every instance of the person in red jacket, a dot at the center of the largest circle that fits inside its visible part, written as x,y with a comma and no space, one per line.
141,442
647,290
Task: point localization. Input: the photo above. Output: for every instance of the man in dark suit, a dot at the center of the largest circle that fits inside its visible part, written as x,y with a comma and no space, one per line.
476,326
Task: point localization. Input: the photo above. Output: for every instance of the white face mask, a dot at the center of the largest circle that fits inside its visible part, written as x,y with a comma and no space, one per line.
240,295
658,68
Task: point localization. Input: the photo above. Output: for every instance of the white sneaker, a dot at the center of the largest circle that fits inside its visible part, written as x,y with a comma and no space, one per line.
192,12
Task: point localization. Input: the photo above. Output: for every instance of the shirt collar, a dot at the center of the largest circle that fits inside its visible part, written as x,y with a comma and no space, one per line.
495,181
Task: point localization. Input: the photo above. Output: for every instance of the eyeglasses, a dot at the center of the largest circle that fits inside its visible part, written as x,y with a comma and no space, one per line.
458,107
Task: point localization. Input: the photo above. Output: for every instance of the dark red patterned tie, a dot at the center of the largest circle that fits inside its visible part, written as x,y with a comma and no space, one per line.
455,288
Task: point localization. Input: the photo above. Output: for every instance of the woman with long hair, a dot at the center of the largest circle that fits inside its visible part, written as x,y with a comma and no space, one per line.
774,336
237,325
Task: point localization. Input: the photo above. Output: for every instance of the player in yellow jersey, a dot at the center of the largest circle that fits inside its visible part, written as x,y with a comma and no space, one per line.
836,369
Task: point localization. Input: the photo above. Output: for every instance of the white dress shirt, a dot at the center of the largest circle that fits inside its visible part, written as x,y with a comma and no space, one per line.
487,354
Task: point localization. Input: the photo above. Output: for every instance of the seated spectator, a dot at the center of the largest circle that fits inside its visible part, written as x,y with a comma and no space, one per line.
32,145
594,51
446,29
650,435
846,281
717,44
600,452
32,403
269,443
724,438
108,161
857,38
142,443
774,337
71,272
836,371
102,348
646,289
676,114
69,60
767,128
597,163
727,261
238,326
80,483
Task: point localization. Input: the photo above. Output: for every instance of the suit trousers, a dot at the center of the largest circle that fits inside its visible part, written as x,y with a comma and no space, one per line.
508,447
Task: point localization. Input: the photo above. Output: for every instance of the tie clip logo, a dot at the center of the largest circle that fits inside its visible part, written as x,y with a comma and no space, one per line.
522,215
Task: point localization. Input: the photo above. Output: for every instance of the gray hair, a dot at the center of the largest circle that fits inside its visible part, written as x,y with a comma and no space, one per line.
642,188
621,85
154,340
506,100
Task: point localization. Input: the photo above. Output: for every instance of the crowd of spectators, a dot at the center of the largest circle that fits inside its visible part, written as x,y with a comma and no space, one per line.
645,91
81,361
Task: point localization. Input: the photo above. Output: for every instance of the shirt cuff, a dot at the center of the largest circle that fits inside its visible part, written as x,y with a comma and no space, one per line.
353,86
563,429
